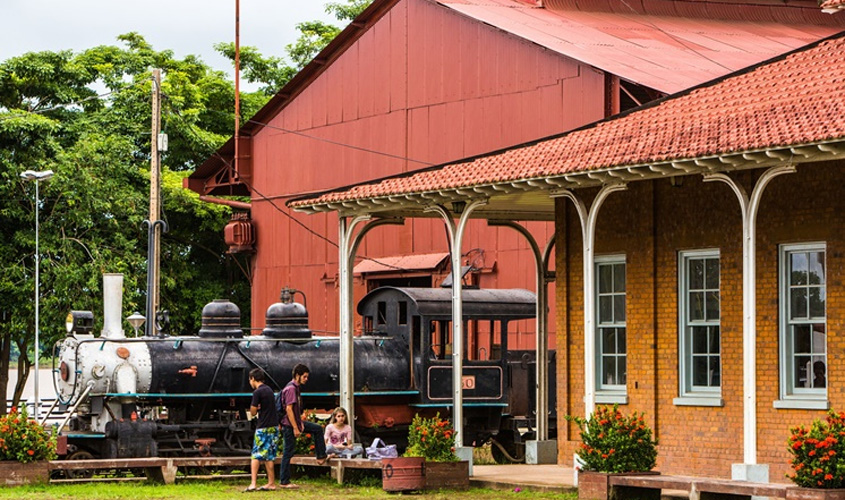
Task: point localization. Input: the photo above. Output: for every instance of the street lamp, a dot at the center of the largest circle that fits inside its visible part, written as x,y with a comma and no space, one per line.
32,175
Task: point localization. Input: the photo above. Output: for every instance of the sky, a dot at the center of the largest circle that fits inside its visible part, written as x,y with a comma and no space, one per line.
184,26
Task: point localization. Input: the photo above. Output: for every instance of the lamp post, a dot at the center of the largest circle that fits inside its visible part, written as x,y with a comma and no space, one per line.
32,175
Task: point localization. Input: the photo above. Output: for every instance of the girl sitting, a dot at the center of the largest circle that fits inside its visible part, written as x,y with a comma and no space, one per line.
339,436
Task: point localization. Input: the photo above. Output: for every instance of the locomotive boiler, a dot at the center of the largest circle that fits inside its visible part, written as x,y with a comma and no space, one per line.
187,395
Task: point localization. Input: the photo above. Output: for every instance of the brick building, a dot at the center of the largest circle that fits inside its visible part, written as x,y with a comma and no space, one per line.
709,227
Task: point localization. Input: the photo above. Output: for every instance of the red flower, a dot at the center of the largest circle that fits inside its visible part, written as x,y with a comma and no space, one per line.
30,452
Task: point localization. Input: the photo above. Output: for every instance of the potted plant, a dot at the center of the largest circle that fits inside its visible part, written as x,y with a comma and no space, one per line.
818,458
612,443
434,440
25,448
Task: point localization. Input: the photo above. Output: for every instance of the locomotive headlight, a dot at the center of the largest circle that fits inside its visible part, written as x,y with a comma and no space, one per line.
79,322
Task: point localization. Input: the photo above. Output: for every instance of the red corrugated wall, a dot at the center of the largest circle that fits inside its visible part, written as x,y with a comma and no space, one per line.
426,84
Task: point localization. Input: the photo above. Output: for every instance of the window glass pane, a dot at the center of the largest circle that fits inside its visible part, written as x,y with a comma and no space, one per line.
818,339
619,277
622,370
802,368
798,301
801,339
606,309
608,341
816,268
696,306
712,274
605,278
699,340
714,340
817,302
608,374
619,308
621,341
699,370
696,274
819,373
798,269
715,375
712,305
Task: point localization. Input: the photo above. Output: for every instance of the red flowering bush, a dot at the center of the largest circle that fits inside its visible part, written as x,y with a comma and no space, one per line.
23,439
431,438
305,441
613,442
817,453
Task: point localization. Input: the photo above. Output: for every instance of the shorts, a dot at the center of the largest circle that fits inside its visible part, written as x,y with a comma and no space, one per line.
265,444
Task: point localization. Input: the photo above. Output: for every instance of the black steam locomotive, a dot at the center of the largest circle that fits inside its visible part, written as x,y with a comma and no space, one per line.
187,395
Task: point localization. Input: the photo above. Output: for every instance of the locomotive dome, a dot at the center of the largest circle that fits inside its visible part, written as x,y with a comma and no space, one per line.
221,319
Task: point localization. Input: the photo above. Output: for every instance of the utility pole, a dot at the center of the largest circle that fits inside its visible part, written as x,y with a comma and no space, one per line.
155,197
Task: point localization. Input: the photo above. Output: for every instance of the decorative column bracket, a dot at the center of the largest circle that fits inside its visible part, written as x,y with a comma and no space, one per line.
749,207
588,233
456,233
348,243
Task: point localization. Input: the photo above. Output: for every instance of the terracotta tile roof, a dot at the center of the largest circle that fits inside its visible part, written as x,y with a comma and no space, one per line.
796,99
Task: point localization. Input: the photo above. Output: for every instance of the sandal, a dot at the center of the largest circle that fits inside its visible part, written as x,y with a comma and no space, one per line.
250,489
290,486
267,488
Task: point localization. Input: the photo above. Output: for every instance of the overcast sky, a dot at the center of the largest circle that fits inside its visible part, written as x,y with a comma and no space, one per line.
184,26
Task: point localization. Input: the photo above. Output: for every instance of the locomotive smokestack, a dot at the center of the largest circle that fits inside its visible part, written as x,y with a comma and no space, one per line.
112,306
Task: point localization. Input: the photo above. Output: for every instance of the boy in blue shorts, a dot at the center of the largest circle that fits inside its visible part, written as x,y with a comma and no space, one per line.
264,447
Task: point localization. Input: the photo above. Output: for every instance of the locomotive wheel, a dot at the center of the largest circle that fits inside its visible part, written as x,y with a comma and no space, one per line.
80,473
505,449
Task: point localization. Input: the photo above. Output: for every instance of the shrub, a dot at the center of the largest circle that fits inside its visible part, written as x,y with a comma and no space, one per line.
817,453
432,439
305,441
613,442
22,439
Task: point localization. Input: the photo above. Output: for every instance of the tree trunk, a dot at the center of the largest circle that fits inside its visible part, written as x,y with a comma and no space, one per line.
24,364
5,361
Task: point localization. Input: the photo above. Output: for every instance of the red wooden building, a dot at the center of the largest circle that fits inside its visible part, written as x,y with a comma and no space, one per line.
412,83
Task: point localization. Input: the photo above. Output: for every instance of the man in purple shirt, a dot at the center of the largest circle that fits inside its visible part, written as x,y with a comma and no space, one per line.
289,405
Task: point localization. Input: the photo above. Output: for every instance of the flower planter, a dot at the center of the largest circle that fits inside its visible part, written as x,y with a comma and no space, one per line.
403,473
447,475
596,486
14,473
814,494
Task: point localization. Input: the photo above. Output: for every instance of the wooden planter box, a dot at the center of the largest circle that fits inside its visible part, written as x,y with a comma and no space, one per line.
596,486
14,473
447,475
814,494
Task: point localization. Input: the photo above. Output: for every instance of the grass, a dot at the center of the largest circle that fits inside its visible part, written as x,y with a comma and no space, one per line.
310,489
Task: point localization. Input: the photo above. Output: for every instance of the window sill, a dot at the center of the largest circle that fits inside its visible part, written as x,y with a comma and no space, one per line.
802,404
699,401
611,399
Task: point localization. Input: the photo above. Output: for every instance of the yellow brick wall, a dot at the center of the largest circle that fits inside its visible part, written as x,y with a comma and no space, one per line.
651,223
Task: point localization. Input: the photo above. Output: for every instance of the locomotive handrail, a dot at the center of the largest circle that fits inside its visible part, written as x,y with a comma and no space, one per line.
242,394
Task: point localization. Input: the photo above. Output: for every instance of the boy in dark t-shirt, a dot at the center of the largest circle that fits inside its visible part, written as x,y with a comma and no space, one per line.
264,447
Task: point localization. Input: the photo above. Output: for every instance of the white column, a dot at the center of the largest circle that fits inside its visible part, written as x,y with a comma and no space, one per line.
347,246
748,207
456,233
588,234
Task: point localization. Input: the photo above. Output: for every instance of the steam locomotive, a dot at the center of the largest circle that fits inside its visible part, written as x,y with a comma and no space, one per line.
187,395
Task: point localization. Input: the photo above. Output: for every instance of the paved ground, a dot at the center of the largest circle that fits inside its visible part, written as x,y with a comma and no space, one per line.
556,478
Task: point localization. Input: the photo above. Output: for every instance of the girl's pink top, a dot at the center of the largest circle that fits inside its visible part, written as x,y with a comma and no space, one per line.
335,436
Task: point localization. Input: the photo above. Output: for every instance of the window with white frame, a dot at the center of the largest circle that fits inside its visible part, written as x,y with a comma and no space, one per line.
700,341
803,323
611,326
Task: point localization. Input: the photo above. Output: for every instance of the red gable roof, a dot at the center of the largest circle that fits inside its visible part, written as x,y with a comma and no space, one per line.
796,99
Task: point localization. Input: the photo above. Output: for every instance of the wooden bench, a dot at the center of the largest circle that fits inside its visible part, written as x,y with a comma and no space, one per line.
163,470
699,488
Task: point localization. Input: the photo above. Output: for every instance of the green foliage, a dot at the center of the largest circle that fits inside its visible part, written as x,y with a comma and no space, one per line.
22,439
817,453
432,439
613,442
305,441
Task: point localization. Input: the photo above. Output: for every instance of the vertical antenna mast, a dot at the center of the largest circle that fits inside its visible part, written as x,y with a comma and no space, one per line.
237,79
155,196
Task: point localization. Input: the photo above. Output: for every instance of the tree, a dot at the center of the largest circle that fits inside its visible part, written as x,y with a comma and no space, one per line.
92,210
